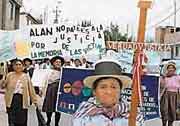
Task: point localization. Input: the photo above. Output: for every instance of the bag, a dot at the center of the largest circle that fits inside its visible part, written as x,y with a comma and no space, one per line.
178,106
40,101
2,101
40,117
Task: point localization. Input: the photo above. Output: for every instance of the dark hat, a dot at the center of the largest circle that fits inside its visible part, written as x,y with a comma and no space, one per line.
27,59
107,68
55,58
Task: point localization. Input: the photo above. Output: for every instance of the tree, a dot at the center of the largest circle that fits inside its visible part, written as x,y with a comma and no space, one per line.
113,33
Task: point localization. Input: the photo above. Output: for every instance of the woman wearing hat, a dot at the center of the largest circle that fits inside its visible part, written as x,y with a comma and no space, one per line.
170,84
49,104
105,108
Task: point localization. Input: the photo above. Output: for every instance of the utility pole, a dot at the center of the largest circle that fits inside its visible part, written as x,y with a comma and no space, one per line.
57,11
175,9
45,19
56,15
127,32
172,46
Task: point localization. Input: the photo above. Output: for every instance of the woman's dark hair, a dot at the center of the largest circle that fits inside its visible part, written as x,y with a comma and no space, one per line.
17,60
27,59
172,66
78,61
2,64
95,84
12,63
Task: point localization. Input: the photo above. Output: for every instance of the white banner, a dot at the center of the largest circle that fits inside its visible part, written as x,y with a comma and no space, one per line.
40,41
124,51
40,76
48,41
142,46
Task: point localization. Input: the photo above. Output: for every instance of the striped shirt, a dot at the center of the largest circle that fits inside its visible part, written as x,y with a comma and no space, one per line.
90,114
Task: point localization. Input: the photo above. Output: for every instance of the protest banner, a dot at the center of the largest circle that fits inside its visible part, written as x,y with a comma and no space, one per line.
124,52
40,41
49,41
72,92
40,76
14,44
150,91
142,46
6,46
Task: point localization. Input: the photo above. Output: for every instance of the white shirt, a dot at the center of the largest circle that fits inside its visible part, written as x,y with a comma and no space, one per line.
19,88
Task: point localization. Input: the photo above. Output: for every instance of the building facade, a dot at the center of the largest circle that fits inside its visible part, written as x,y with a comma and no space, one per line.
28,19
10,12
169,35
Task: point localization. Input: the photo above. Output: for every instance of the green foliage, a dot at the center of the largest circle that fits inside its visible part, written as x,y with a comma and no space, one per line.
113,34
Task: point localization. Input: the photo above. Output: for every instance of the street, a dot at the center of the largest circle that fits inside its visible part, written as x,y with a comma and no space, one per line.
65,120
32,119
105,63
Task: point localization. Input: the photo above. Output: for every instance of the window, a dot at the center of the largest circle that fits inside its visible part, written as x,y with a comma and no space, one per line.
177,29
11,10
172,30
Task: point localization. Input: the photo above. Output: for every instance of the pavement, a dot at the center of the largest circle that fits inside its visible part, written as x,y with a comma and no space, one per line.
65,119
32,118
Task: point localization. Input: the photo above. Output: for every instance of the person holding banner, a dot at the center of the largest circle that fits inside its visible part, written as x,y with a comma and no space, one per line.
106,107
29,70
19,91
170,85
49,105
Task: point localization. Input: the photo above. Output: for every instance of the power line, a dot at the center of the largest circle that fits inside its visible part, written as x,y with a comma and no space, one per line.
167,9
163,19
175,13
162,12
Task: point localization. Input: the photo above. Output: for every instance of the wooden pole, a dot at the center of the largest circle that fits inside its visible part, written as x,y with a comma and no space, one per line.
143,5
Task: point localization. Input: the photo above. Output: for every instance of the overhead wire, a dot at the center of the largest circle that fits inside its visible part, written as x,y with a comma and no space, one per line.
161,13
164,19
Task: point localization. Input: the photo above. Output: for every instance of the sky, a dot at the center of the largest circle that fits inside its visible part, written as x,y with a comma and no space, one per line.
121,12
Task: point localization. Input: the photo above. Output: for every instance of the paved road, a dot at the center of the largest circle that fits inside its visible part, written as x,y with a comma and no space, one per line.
65,120
32,119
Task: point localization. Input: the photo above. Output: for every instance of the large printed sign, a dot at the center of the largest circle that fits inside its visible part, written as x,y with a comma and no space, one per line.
40,41
48,41
150,89
72,92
